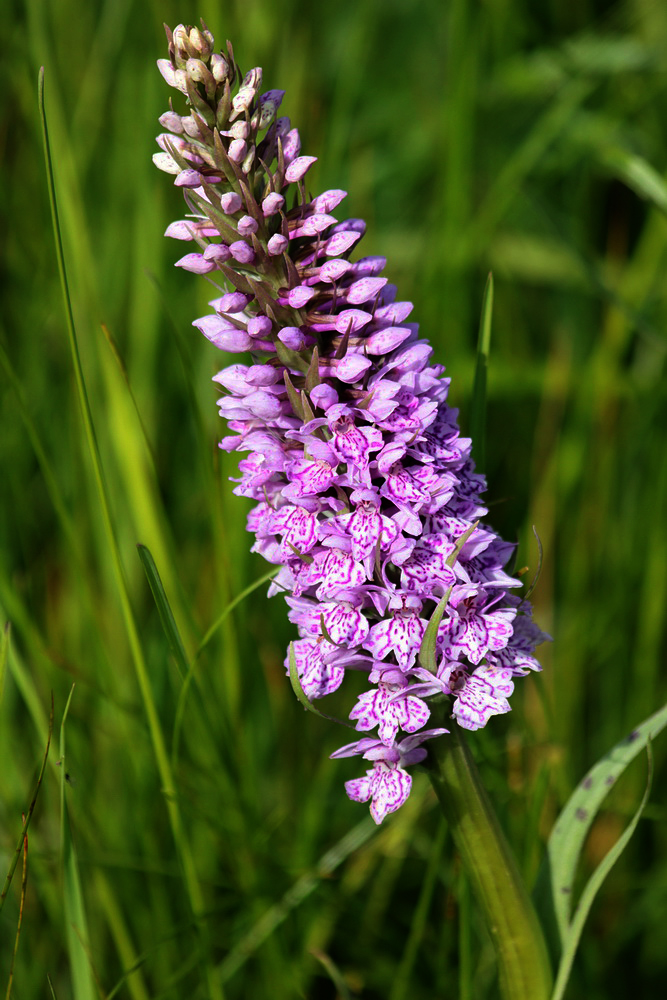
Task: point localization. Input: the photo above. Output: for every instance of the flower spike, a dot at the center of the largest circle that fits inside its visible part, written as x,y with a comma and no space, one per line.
366,494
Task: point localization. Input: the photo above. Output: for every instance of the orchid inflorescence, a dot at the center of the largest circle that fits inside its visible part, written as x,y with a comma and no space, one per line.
367,496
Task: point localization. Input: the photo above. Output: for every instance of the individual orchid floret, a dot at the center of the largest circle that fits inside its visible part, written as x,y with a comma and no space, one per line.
365,494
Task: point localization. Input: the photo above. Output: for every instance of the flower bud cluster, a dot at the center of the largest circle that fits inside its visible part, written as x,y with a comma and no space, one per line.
366,494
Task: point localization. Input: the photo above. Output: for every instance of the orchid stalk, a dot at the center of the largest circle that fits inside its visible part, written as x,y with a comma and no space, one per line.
366,495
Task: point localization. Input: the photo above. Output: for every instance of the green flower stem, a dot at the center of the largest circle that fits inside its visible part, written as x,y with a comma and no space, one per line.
523,963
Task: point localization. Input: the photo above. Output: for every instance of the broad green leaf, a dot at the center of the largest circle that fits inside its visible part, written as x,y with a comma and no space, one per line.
553,890
592,888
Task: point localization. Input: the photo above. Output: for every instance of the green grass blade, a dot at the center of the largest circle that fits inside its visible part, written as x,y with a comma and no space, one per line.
133,979
41,455
76,923
478,407
31,809
553,889
164,610
159,747
4,654
293,898
638,174
334,974
592,888
232,604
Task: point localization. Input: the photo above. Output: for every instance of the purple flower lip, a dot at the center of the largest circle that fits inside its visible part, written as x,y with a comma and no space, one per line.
364,487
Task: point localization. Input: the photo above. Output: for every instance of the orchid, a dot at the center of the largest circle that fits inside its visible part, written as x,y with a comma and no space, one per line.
366,494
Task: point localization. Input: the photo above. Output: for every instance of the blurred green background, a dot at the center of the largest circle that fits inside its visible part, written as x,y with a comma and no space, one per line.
526,138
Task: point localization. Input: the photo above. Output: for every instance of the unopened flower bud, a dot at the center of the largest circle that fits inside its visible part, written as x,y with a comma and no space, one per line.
239,130
198,72
172,121
276,245
219,67
231,203
247,225
272,203
190,127
200,43
183,50
237,150
249,160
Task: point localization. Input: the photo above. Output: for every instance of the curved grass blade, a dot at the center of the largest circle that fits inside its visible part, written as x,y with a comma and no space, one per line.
553,889
334,974
538,571
478,406
593,886
294,896
230,607
31,809
638,174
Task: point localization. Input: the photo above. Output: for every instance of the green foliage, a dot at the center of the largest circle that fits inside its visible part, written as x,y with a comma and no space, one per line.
215,849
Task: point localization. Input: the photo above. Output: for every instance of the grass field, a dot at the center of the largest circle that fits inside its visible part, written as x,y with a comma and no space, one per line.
520,137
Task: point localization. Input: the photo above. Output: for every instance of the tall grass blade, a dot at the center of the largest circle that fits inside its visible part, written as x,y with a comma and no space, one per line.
31,809
4,655
164,610
24,885
76,923
122,367
159,748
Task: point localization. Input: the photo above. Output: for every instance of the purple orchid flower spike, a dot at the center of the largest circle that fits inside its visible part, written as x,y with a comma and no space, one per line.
362,482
